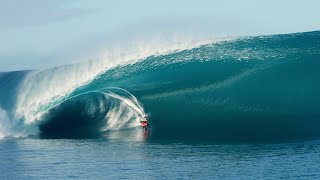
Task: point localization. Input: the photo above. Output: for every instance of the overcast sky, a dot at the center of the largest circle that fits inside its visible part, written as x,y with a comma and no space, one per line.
41,33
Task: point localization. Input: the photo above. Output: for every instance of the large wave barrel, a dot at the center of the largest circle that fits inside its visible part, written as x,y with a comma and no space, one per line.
82,116
90,114
259,88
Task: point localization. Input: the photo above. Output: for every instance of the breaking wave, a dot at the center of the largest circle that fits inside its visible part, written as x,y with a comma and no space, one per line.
243,89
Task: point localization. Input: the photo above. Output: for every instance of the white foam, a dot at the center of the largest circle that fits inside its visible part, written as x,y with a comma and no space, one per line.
4,124
126,114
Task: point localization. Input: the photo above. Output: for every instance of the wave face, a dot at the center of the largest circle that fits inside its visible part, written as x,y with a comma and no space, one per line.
246,89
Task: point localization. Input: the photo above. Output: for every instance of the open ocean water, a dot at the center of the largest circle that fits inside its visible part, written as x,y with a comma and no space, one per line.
33,158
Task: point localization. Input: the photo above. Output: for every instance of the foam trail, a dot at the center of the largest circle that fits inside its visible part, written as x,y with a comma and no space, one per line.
116,119
132,101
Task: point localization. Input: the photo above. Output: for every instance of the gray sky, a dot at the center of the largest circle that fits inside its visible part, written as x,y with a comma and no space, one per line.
41,34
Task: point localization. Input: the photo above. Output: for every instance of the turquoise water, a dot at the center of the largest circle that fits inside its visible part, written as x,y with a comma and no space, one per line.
242,108
29,158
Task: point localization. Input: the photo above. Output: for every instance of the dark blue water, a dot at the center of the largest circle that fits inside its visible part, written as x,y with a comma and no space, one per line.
29,158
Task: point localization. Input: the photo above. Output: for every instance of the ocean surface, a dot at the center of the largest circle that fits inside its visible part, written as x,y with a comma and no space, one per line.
34,158
237,108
